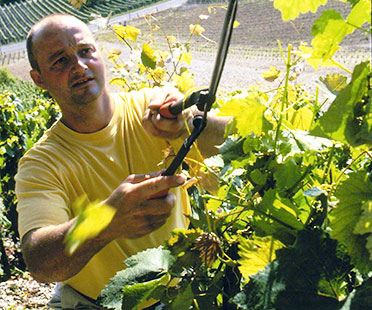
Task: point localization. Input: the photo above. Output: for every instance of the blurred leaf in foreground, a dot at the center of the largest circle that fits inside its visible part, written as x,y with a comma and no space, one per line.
91,220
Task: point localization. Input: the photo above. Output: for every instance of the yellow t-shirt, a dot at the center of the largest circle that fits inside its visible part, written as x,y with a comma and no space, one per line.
65,165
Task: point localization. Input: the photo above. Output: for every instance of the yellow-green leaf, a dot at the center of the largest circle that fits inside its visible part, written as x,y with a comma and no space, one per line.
214,204
196,29
236,24
334,82
185,81
360,14
300,119
126,32
255,254
119,81
272,74
90,222
148,56
291,9
248,113
186,57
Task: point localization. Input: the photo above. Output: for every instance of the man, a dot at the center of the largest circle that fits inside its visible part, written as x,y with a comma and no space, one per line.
105,148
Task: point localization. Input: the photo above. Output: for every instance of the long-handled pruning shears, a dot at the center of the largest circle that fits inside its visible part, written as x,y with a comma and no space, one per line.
203,98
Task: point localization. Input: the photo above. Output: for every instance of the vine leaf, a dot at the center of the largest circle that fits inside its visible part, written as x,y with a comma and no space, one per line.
91,220
148,56
126,32
147,268
255,254
330,29
334,82
297,278
272,74
291,9
243,109
348,119
184,81
184,301
135,295
354,194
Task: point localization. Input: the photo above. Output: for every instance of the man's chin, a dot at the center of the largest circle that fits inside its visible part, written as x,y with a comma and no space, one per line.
86,96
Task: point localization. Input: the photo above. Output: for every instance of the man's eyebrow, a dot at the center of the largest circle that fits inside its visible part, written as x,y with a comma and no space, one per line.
55,55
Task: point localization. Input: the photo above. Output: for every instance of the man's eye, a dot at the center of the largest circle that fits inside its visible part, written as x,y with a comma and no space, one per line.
60,61
86,51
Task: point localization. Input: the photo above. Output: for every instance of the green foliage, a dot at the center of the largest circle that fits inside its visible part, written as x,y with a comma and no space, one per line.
307,275
348,220
144,272
25,113
349,118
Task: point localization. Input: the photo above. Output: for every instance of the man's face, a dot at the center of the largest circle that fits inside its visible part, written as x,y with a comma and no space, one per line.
71,68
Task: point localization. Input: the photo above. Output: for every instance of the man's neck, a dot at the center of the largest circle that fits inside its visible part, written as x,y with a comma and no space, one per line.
91,117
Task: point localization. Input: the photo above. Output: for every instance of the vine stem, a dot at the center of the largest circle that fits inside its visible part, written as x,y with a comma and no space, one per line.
248,208
349,165
285,94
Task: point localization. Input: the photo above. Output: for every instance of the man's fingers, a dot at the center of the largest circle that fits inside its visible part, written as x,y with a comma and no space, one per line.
152,186
137,178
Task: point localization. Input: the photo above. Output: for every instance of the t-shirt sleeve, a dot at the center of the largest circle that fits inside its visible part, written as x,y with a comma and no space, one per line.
41,200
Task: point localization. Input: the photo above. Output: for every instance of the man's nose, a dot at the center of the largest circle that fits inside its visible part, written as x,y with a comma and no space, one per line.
79,64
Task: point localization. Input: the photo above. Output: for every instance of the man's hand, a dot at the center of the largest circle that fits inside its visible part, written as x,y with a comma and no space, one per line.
137,214
160,126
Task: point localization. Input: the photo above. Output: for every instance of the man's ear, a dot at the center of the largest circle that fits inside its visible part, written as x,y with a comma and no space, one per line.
36,77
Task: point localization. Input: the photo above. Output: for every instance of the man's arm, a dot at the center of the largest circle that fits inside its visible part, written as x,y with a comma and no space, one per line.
136,215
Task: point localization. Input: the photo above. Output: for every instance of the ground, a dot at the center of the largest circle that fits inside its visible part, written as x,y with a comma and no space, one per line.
23,292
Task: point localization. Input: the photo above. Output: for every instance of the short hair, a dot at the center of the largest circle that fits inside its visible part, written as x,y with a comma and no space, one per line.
34,30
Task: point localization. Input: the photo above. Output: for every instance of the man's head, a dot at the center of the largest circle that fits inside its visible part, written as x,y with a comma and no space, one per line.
65,60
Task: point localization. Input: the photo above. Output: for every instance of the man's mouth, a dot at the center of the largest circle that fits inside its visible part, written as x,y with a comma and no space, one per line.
81,82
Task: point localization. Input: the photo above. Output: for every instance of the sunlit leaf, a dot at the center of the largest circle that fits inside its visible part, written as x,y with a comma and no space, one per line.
119,81
334,82
255,254
126,32
158,75
91,220
291,9
186,57
272,74
330,29
248,112
348,119
185,81
148,57
196,29
360,14
306,52
171,39
236,24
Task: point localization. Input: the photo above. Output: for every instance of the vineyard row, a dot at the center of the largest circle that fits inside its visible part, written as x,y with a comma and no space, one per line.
17,18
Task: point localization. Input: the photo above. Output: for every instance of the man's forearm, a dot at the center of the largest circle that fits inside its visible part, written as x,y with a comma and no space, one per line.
213,134
46,257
